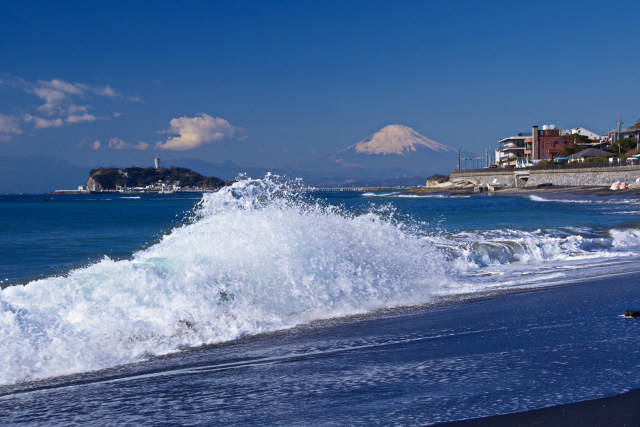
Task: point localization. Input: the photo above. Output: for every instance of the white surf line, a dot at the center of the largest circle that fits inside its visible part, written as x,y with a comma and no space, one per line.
234,365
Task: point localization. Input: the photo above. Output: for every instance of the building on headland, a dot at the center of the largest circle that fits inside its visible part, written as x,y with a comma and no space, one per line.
157,162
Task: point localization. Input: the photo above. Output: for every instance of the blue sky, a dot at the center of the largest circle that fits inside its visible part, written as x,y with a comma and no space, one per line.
274,83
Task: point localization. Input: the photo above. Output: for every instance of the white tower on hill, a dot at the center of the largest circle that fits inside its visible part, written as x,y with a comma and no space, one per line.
157,162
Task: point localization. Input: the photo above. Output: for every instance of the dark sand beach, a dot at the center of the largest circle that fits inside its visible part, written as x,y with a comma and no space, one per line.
469,352
620,410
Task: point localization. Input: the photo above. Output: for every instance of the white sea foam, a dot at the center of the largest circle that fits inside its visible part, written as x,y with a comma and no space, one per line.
536,198
495,247
626,238
603,201
259,258
371,194
442,196
256,259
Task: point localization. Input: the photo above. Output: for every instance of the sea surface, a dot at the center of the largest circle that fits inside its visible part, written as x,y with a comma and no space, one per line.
270,304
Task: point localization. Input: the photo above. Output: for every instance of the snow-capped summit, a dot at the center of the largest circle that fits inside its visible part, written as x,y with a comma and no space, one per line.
393,151
396,139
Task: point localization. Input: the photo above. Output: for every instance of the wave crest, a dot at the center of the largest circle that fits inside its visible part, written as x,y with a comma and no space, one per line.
258,257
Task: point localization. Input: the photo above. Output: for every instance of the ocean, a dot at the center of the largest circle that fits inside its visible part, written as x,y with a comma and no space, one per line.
270,304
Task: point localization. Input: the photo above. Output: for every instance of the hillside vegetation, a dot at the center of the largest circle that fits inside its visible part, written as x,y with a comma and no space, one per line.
110,178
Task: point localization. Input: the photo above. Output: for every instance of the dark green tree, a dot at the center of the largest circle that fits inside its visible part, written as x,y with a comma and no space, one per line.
625,144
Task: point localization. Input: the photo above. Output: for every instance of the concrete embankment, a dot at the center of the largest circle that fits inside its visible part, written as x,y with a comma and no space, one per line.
603,176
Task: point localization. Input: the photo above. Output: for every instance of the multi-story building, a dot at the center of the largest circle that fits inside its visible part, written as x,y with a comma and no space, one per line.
542,144
514,151
549,143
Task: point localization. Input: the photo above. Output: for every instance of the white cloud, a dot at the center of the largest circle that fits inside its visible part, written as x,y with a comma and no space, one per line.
56,94
196,131
141,146
107,91
63,86
60,100
52,98
82,118
41,123
8,125
96,145
119,144
78,88
74,109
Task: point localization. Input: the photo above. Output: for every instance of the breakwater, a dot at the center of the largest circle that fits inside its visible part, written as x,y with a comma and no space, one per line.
523,178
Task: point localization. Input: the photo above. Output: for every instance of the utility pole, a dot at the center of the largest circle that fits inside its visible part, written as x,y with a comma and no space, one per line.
486,153
619,125
619,130
459,148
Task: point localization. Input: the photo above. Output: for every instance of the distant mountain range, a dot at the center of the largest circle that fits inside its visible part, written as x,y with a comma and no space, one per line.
39,174
395,155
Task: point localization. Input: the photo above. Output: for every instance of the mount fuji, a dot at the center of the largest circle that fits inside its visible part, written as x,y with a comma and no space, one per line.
396,139
393,151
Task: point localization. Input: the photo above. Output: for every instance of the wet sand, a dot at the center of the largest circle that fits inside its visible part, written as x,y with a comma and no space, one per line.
411,366
620,410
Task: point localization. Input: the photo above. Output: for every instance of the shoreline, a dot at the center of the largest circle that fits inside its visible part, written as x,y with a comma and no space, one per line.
440,303
600,191
620,410
611,410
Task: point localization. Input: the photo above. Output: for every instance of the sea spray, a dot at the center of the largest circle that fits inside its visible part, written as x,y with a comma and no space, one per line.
260,256
257,258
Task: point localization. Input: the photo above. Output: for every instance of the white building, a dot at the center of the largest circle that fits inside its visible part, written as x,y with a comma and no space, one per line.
513,150
586,132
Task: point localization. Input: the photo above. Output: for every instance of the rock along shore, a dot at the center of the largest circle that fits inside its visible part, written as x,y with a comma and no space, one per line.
599,191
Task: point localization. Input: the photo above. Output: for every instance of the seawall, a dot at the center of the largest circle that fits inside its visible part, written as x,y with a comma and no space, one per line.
523,178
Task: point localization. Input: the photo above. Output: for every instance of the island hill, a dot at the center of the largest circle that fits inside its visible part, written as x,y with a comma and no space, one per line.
150,180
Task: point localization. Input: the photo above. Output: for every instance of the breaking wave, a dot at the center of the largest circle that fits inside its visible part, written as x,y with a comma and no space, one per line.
255,257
